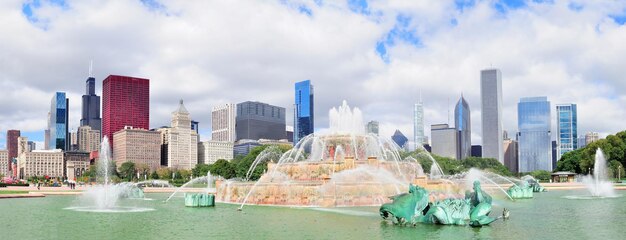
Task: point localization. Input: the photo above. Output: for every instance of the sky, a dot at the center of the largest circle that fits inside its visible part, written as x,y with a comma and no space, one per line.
377,55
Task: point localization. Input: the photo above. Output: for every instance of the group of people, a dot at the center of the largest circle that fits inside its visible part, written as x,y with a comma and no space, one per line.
72,185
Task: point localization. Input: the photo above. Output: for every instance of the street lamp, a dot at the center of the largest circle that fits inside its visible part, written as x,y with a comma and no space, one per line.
619,173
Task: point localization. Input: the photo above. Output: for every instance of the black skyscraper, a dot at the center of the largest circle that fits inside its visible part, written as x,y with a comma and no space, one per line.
91,106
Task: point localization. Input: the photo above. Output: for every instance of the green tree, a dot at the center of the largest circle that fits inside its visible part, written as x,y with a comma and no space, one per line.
200,169
164,173
222,168
154,175
127,171
613,168
243,164
184,174
541,175
570,161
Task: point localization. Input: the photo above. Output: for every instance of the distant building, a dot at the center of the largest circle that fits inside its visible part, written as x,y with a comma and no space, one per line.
491,105
582,141
591,137
4,163
223,119
534,134
554,151
244,147
137,145
372,127
211,151
256,120
182,142
59,120
566,129
91,106
304,110
76,164
73,141
444,140
125,102
32,146
477,151
289,130
399,139
511,155
418,123
463,126
38,163
12,140
88,139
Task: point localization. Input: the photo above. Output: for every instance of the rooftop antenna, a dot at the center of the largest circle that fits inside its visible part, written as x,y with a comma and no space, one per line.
420,95
90,68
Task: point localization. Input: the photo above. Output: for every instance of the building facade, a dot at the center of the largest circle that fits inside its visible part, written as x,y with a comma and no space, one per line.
211,151
591,137
418,124
372,127
256,120
59,121
491,114
12,139
4,163
511,160
566,129
400,139
88,139
137,145
38,163
126,102
304,110
535,147
182,141
76,164
463,126
444,140
90,115
223,119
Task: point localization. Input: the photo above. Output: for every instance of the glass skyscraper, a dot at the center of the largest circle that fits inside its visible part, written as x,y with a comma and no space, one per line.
418,124
304,111
59,110
91,106
566,128
535,147
257,120
463,128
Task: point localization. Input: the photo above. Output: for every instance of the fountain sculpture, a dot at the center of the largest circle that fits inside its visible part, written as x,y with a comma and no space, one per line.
342,166
414,207
205,198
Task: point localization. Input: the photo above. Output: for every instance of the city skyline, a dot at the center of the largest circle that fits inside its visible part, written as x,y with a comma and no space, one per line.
384,85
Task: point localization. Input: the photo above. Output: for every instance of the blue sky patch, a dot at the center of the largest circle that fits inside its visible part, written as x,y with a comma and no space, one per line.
359,6
29,10
464,4
619,19
305,10
400,32
576,7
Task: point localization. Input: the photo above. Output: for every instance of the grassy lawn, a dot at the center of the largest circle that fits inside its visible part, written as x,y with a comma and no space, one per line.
12,192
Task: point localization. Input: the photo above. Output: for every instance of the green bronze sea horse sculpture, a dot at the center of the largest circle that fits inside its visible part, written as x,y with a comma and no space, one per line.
413,207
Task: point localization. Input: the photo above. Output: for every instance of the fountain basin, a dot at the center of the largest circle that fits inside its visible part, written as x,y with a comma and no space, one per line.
199,200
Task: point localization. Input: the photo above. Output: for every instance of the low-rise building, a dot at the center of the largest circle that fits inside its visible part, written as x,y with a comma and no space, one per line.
137,145
4,162
40,163
76,163
211,151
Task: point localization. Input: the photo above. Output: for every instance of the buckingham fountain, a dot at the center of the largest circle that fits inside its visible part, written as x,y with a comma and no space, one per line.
341,167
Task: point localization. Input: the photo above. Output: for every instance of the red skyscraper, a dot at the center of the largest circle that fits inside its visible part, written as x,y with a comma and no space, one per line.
125,102
12,136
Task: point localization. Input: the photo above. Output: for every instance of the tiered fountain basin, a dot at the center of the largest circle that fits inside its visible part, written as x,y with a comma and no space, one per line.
311,184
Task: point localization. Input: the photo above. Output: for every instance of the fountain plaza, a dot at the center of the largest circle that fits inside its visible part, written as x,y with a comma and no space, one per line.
331,185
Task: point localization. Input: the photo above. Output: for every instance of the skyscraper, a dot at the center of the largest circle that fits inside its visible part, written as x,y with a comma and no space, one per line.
372,127
535,147
126,102
566,129
223,123
399,139
304,111
463,126
12,136
444,140
59,116
182,149
511,153
257,120
418,123
491,113
91,106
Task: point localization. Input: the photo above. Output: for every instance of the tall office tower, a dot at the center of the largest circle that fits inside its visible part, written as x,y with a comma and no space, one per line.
59,121
372,127
88,139
444,140
32,146
418,124
304,111
182,142
566,129
463,126
399,139
256,120
126,102
46,134
91,106
491,115
535,147
591,137
73,141
223,123
12,136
